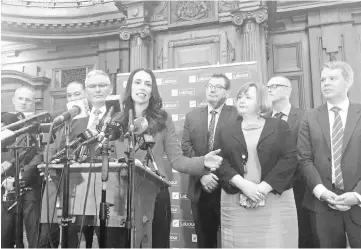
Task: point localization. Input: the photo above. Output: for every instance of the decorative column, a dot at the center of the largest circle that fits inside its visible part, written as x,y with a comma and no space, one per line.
139,41
252,26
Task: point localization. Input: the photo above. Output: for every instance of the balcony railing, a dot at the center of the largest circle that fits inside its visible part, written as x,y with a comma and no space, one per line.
55,3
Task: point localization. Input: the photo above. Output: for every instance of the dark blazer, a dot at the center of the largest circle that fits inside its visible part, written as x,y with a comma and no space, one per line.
314,153
294,120
276,153
195,139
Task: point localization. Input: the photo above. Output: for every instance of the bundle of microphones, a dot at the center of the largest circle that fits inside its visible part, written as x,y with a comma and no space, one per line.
111,127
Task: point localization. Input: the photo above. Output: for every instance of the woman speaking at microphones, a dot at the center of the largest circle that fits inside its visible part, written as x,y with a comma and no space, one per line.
142,97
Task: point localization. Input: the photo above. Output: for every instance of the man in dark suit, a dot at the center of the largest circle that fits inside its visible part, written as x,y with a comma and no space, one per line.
23,101
280,89
329,146
200,136
74,91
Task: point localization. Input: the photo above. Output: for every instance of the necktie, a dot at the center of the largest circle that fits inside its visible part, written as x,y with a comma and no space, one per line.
95,121
337,137
211,130
279,115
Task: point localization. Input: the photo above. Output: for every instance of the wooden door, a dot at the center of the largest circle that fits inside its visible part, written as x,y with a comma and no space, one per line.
289,56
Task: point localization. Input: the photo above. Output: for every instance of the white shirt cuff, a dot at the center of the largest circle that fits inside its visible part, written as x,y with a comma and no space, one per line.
358,196
318,190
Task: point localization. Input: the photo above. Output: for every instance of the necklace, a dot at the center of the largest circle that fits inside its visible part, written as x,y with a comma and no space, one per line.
253,127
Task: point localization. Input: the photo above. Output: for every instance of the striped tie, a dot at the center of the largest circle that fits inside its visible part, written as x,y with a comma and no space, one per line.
211,131
337,137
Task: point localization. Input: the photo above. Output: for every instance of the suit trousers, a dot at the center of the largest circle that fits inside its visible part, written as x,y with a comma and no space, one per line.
330,229
161,220
305,239
206,215
31,219
50,235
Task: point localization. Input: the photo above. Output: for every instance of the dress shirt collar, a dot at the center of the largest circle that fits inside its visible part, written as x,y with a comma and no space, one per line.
343,105
286,110
218,110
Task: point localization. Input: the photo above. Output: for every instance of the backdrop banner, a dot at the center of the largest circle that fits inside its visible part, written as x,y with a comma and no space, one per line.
183,89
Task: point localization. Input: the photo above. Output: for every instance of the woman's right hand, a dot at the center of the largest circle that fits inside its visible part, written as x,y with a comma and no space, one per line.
251,191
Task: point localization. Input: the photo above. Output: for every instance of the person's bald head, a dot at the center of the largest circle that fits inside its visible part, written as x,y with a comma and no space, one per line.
279,88
23,99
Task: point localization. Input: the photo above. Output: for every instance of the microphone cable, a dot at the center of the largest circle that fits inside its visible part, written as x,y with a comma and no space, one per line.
85,201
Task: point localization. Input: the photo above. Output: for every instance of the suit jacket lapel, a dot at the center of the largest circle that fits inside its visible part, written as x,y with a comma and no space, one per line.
204,124
267,130
292,118
238,134
353,115
323,119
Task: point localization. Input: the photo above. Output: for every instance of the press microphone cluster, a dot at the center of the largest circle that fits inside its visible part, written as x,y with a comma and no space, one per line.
81,139
76,109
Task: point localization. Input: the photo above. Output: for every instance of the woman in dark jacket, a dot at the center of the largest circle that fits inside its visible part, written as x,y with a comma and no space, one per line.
257,202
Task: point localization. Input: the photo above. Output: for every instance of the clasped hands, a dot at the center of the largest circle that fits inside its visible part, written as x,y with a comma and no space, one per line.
339,202
256,193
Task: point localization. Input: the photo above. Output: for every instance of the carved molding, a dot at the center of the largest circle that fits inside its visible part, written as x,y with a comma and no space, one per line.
192,10
226,5
160,12
259,16
160,59
126,32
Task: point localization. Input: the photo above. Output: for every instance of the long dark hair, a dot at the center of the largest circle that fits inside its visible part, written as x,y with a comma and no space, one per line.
154,113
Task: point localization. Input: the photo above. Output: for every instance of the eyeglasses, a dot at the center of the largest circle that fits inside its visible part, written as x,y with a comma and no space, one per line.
216,87
101,85
275,86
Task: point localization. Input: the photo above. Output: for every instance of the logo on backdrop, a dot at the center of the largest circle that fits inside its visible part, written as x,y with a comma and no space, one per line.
170,104
167,81
242,75
197,103
178,117
174,182
175,223
183,223
186,223
175,195
174,237
199,78
175,209
183,92
183,196
194,237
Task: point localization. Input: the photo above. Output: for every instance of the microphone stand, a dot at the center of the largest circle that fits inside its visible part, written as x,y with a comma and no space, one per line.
19,242
130,217
104,206
65,212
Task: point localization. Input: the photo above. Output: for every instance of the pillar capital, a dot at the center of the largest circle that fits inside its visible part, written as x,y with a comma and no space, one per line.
259,15
127,32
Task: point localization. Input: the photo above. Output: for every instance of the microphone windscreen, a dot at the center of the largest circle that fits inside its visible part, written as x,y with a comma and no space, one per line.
113,100
141,125
9,118
82,104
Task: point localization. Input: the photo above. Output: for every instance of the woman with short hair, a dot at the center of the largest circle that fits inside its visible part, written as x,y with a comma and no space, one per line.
257,202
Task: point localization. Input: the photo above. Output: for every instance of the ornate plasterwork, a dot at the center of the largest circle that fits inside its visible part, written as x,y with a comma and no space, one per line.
259,16
126,32
192,10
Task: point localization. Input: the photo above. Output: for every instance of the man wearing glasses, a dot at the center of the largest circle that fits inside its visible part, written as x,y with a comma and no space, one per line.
200,136
280,89
97,88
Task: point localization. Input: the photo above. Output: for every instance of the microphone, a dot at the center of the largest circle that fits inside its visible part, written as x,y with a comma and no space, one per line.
112,103
76,109
42,117
146,142
8,136
131,122
80,138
